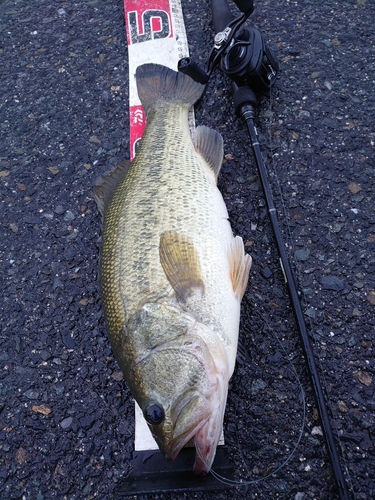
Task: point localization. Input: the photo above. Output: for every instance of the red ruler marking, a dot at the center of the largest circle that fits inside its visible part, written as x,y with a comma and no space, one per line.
156,33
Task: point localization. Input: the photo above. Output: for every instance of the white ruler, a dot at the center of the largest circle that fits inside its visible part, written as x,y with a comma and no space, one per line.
156,34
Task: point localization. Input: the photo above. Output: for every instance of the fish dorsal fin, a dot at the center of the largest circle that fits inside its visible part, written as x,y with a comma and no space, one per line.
209,144
240,264
104,186
180,262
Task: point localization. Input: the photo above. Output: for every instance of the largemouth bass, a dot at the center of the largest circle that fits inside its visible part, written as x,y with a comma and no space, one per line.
172,274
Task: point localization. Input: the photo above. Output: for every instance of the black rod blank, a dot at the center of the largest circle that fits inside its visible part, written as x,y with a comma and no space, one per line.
247,113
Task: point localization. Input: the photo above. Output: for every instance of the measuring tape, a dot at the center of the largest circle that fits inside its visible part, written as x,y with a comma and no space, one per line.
156,34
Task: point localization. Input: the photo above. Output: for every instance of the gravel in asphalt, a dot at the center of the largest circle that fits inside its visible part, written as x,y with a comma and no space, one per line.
66,416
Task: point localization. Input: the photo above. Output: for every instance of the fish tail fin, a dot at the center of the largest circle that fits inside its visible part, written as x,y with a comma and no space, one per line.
158,85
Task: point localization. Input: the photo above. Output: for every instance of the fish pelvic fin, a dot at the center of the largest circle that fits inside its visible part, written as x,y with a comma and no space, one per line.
158,85
180,262
240,264
105,185
209,144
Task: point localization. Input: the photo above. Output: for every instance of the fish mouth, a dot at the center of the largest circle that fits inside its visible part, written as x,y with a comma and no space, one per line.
194,418
189,415
206,441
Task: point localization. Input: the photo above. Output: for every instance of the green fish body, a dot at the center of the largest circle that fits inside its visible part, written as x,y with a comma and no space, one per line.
172,274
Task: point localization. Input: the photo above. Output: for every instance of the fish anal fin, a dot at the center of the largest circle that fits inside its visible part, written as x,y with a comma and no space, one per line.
240,264
105,186
180,262
209,144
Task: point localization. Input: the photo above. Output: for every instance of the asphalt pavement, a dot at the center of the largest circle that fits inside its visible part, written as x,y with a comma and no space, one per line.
66,415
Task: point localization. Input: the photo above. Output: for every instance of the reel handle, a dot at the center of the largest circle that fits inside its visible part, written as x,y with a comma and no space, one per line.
245,6
221,15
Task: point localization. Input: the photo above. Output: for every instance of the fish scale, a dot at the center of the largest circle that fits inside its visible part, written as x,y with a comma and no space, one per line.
167,193
172,274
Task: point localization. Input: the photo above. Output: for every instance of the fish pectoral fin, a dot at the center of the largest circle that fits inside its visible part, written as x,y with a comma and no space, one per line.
105,186
240,264
180,262
209,144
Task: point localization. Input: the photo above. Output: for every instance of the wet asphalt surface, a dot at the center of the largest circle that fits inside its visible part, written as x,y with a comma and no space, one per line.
66,421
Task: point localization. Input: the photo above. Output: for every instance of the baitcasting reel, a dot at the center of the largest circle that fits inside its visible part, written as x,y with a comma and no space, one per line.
248,60
242,53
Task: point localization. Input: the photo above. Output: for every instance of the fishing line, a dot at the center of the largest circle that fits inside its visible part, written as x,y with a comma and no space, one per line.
248,114
303,298
302,398
245,103
274,170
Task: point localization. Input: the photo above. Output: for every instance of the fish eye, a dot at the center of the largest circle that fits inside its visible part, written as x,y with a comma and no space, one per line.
154,413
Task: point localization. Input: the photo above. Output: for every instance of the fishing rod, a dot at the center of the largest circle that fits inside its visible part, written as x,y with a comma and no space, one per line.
244,56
